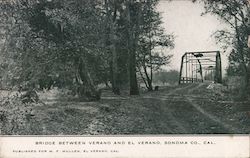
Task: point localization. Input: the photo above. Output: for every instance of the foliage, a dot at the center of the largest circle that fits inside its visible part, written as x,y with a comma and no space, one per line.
153,44
170,77
78,45
236,14
16,117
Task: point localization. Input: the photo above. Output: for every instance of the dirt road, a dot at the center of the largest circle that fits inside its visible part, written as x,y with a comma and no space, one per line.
184,109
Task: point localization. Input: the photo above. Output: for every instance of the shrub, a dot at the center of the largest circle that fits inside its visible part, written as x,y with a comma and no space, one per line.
15,116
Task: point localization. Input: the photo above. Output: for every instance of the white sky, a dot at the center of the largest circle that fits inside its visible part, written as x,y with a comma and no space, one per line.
193,31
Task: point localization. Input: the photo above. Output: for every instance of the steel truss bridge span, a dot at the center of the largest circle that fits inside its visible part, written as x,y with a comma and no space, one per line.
204,66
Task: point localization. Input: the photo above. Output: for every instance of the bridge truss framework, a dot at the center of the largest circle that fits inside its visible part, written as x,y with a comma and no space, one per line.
200,67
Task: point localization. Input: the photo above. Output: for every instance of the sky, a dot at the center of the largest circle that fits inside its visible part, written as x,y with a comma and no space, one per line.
191,30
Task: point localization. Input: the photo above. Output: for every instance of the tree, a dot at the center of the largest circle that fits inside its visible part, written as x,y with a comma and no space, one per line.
111,8
79,44
133,11
152,42
65,35
235,13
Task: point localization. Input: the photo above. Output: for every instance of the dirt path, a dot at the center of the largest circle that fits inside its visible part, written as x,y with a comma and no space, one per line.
184,109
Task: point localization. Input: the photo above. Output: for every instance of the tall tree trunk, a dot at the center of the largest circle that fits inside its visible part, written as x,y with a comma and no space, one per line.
151,72
114,66
132,42
149,81
132,73
115,70
87,87
143,78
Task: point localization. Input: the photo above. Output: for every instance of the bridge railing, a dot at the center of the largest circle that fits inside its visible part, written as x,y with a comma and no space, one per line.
190,80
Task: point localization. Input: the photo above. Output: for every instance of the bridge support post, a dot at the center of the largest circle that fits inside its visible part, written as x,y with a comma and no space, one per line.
180,77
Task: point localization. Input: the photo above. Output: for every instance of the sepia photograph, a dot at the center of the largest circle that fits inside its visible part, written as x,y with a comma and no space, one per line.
124,67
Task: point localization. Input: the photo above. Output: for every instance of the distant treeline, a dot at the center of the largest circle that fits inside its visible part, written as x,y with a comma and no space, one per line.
167,77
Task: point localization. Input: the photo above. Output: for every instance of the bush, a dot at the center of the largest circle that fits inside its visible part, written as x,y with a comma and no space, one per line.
15,116
237,86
